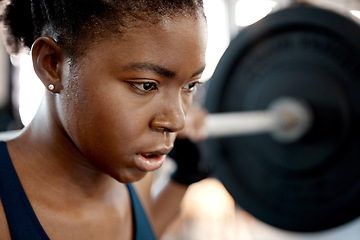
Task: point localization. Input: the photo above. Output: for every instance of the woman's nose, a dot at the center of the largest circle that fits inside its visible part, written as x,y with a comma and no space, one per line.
171,118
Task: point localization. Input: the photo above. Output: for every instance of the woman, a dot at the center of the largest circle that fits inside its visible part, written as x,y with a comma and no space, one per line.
120,77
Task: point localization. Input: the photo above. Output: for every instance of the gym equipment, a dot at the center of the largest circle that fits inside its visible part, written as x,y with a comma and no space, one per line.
308,58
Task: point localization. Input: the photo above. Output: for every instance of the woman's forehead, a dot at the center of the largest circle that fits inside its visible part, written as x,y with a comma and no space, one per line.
163,31
169,44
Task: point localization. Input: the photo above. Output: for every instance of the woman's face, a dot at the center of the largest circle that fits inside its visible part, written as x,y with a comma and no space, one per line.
125,100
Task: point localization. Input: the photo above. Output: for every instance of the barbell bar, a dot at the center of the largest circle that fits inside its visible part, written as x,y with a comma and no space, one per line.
286,119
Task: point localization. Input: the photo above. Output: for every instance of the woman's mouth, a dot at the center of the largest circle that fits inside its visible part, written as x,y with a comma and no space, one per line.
149,161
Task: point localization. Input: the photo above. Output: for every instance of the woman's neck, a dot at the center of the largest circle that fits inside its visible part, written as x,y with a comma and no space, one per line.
44,155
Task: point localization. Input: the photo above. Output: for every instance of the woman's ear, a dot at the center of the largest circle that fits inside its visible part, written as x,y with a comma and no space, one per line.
48,59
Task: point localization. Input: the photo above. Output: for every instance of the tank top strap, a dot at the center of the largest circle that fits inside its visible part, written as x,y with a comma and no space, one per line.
142,226
21,218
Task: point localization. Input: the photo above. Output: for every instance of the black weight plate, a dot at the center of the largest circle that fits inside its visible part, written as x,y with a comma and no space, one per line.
310,54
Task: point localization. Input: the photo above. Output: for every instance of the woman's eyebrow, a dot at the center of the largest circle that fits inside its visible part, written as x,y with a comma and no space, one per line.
144,66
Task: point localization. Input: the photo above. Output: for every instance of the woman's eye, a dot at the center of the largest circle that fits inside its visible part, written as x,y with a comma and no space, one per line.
146,86
191,86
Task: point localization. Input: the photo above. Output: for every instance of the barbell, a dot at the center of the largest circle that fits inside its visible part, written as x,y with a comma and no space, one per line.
284,105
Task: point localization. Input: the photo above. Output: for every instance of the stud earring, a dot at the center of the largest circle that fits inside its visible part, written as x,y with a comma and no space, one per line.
51,87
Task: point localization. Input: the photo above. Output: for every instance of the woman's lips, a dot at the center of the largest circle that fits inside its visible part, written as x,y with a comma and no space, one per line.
149,161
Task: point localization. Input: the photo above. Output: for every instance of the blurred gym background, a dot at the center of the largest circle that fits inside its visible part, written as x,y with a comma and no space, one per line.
208,212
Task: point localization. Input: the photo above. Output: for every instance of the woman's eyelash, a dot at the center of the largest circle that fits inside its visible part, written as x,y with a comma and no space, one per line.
192,86
145,86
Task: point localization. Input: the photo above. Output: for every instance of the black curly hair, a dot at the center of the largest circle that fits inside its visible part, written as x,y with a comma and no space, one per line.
74,24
